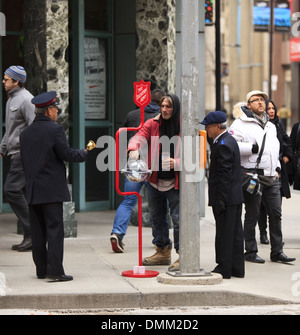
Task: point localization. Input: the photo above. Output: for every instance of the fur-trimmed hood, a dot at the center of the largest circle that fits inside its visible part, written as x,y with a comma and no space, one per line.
241,109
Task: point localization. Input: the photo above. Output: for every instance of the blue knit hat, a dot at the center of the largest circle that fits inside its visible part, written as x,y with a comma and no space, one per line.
17,73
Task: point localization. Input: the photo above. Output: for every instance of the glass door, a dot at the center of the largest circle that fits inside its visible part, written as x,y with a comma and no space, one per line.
91,103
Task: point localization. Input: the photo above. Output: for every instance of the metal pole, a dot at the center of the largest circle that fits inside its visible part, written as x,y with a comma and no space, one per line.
218,55
192,91
271,49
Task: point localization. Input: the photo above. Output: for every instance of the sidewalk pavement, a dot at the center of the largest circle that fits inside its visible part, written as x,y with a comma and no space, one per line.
98,282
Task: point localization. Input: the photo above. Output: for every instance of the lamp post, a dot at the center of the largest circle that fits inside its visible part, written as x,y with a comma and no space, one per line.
271,48
218,55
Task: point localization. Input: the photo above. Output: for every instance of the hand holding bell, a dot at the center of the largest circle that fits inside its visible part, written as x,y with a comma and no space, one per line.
91,145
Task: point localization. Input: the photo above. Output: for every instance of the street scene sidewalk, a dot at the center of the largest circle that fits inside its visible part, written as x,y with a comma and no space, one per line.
98,282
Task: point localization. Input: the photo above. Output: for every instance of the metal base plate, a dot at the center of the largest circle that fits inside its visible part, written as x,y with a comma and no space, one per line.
202,273
147,274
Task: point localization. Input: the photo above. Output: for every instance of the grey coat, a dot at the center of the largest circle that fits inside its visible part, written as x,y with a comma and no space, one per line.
19,114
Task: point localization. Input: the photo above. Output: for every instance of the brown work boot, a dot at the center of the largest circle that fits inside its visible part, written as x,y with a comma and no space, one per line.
161,257
174,266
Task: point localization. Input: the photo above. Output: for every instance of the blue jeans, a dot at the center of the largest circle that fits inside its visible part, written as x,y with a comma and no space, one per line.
123,213
158,210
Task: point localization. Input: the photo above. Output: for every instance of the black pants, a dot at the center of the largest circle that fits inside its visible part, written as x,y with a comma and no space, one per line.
271,197
47,231
229,242
14,192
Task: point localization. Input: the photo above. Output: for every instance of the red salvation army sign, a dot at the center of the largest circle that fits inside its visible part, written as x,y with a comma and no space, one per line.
295,49
142,94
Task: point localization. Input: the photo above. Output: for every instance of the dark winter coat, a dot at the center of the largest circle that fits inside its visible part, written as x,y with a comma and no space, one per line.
44,148
285,151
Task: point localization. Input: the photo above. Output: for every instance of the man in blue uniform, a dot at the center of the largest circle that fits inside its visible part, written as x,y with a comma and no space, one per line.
225,197
44,148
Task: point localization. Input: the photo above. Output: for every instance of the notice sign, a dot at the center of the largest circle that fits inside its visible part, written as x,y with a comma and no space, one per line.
95,78
295,49
282,16
261,16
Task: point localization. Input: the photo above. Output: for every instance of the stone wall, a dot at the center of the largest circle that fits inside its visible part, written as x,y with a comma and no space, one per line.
156,33
46,50
35,53
57,36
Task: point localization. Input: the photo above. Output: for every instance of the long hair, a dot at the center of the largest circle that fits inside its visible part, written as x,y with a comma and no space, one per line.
171,127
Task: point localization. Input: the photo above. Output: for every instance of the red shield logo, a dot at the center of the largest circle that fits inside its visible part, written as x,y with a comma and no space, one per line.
142,94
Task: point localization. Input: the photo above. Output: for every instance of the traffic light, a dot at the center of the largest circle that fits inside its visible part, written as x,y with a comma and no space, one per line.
209,12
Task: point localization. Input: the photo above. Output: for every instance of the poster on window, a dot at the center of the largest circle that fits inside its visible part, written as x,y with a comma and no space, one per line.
95,78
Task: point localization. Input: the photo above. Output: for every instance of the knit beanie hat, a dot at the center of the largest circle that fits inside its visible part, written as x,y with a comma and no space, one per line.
17,73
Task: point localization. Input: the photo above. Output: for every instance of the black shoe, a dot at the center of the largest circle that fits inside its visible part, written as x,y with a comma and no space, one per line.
218,270
264,238
238,275
281,257
59,278
24,246
254,258
116,243
41,276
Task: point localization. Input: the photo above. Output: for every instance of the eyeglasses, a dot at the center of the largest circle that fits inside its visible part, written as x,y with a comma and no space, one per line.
257,100
53,107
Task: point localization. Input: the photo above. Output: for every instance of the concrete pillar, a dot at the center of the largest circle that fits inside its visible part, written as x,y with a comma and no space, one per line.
46,49
155,53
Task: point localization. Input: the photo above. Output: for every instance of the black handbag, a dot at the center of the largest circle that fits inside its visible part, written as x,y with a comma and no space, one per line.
249,177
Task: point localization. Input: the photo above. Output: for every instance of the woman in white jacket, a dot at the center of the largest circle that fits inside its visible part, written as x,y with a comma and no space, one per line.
250,125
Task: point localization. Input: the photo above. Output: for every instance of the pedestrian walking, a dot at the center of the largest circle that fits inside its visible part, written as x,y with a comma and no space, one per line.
19,113
251,129
285,157
295,138
44,149
225,197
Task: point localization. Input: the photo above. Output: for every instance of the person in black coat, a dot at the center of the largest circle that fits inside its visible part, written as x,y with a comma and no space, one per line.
225,197
294,168
285,157
44,148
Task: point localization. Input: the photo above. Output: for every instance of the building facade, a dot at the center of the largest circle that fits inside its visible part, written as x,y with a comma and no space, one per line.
245,60
90,52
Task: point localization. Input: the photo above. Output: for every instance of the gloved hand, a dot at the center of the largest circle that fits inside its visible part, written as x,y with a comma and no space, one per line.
220,206
255,148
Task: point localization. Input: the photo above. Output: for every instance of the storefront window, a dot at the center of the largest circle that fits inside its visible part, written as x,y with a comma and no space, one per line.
95,75
95,15
14,12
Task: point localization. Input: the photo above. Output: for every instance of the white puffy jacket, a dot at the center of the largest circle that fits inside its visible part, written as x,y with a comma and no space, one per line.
247,131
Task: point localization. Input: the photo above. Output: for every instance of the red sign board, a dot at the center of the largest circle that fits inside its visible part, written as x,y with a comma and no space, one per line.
142,94
295,49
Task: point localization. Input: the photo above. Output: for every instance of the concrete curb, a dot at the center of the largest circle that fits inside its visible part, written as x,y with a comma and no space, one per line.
138,300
